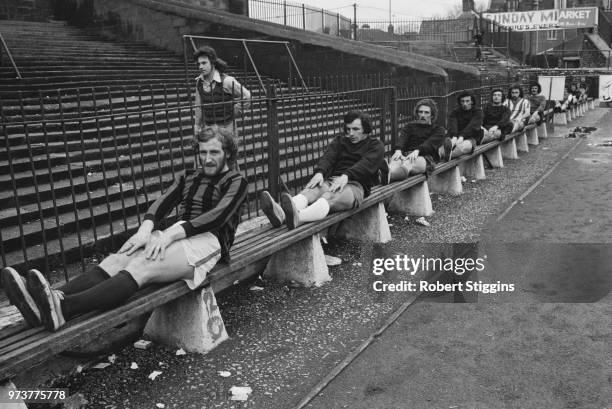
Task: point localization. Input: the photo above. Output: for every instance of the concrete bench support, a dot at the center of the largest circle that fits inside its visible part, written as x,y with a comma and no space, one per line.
560,118
15,404
448,182
495,157
592,104
532,136
369,225
508,149
521,142
542,131
192,322
473,168
302,263
414,201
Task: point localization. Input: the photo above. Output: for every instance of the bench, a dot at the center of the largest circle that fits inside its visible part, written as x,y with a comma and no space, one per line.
22,347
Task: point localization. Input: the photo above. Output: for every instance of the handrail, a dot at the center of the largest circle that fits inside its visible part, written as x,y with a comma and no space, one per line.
8,52
244,42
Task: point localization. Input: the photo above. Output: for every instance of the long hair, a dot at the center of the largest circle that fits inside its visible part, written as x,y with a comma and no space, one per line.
515,86
493,91
225,136
466,94
366,122
208,51
428,102
535,84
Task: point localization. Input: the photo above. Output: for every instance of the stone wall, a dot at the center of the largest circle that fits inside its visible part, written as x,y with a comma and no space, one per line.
29,10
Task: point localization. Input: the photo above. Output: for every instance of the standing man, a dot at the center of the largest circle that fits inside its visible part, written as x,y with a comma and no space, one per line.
465,125
496,123
421,143
343,176
219,98
209,199
537,103
478,44
519,108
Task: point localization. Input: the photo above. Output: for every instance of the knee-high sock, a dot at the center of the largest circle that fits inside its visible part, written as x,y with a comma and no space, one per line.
316,211
103,296
399,173
91,277
300,201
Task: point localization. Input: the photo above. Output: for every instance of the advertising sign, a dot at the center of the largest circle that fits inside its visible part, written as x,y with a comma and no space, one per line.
555,19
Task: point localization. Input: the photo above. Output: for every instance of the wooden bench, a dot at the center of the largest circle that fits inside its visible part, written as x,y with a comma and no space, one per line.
22,347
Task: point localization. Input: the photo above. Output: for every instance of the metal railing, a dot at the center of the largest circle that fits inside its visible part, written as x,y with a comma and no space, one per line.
80,168
9,55
300,15
243,56
447,30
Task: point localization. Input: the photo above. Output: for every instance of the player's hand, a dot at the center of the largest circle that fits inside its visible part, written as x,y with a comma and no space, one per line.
412,156
338,183
317,180
156,247
397,155
138,240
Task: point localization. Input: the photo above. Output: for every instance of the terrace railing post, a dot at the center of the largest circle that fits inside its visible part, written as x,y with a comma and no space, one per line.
273,142
303,16
394,118
354,21
284,13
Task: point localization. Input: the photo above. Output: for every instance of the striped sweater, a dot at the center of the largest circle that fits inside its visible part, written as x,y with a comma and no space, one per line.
206,204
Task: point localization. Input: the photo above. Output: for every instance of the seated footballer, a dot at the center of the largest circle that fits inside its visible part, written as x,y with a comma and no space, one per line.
209,199
343,176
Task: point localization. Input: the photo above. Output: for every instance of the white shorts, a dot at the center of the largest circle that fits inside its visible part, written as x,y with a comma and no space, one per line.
203,251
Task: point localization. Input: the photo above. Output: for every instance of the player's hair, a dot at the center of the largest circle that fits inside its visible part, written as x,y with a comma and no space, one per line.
494,90
225,136
366,122
515,86
535,84
466,94
428,103
208,51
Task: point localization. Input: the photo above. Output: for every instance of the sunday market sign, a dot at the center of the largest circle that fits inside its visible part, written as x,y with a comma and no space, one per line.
554,19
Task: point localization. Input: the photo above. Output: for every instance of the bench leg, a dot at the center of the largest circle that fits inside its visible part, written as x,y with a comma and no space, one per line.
368,225
592,104
448,182
532,136
508,149
302,263
15,404
521,143
192,322
559,118
473,168
414,201
542,131
495,157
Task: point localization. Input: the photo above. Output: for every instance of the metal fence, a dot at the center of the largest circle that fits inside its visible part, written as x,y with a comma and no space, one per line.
300,16
447,30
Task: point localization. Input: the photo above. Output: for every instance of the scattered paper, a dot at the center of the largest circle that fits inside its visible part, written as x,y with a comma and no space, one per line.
324,239
134,365
112,358
332,261
101,365
240,393
160,405
154,375
422,221
79,368
225,374
236,282
181,351
256,288
463,179
142,344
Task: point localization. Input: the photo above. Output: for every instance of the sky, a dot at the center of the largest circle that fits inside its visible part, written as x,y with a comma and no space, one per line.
372,10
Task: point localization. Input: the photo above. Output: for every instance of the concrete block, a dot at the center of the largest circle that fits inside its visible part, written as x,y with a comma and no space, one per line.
592,104
302,263
448,182
542,131
521,143
16,404
559,118
495,157
508,149
532,136
414,201
192,322
473,168
368,225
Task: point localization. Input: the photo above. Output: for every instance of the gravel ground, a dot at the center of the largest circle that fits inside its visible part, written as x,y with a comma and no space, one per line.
284,340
